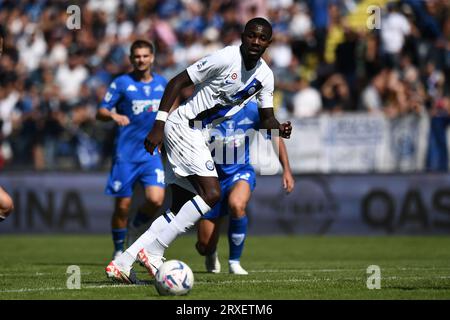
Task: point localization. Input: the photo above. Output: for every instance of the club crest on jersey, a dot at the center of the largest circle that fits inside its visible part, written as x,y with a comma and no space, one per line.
209,165
147,90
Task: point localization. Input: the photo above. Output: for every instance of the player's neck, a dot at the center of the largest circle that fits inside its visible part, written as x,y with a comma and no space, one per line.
145,76
248,62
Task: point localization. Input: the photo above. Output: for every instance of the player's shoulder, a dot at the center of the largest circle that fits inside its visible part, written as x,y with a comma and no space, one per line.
121,80
228,53
265,67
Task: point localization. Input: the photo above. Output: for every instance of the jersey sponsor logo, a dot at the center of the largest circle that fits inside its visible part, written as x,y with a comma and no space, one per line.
159,175
159,88
147,90
139,106
237,238
245,121
131,87
108,96
209,165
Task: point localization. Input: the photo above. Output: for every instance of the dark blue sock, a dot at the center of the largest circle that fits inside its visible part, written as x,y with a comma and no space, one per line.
237,232
140,219
118,236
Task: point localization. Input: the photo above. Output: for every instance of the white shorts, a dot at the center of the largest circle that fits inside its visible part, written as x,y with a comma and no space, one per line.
187,151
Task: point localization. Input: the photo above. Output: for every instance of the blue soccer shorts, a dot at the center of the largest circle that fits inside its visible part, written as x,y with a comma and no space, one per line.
124,175
247,174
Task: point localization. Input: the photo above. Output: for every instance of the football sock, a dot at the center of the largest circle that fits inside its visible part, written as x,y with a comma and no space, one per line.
237,232
150,235
118,236
140,219
188,215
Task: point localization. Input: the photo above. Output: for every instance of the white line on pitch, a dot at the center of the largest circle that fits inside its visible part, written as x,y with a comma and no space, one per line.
222,283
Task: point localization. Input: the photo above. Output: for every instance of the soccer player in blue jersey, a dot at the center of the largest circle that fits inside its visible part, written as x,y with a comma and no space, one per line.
224,83
237,181
132,101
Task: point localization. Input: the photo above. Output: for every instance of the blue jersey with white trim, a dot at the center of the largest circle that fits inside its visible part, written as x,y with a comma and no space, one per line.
231,139
139,101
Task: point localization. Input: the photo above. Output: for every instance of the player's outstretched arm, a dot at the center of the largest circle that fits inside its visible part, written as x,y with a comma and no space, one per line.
268,121
104,114
171,93
288,178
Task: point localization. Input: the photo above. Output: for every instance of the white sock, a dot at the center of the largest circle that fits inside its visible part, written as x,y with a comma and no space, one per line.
150,235
127,259
188,215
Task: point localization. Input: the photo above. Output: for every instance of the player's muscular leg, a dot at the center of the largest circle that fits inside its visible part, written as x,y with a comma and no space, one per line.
208,188
121,210
155,198
238,199
179,197
208,236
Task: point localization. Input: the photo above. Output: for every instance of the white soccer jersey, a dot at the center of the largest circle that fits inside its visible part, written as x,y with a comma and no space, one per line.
223,86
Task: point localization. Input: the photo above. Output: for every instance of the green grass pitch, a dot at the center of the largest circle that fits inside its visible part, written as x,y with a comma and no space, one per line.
281,267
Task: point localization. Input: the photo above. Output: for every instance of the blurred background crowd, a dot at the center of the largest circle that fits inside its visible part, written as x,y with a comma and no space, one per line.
325,55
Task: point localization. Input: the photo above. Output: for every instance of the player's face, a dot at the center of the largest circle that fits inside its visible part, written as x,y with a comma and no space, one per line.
255,40
142,59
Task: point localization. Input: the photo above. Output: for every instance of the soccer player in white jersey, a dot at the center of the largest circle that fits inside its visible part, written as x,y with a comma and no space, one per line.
225,82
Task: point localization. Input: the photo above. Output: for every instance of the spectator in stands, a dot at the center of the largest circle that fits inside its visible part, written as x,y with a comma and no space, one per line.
307,101
45,66
336,94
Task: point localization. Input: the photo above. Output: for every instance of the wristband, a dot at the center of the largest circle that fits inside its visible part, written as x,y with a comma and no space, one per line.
162,116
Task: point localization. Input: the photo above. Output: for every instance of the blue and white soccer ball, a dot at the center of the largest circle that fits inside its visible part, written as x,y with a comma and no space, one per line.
174,278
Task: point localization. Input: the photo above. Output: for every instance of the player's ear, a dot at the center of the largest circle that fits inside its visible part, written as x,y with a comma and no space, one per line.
152,59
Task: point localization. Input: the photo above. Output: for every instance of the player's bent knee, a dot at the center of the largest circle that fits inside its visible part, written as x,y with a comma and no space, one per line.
237,209
157,202
212,196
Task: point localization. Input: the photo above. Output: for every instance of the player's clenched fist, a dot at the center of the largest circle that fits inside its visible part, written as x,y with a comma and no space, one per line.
286,129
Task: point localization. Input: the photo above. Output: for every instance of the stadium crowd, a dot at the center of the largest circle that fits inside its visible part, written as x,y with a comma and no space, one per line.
53,77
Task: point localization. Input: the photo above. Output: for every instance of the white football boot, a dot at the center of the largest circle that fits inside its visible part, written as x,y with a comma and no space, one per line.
114,272
236,268
149,261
